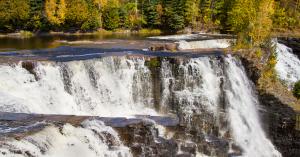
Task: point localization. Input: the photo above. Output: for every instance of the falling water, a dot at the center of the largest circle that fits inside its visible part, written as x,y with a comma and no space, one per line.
93,139
103,87
197,84
288,65
242,110
205,44
121,86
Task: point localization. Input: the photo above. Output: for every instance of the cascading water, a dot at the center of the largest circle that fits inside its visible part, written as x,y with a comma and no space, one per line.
242,110
103,87
89,140
288,65
205,44
197,88
122,86
197,85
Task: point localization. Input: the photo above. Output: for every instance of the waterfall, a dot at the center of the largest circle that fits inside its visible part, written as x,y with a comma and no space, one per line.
93,139
196,86
288,65
103,87
123,86
242,110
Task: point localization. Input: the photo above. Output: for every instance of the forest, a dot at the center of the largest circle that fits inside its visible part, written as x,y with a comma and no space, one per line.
226,16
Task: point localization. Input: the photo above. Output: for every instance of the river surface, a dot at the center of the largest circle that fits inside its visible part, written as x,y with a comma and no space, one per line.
50,41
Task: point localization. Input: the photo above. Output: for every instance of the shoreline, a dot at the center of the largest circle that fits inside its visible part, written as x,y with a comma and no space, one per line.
28,34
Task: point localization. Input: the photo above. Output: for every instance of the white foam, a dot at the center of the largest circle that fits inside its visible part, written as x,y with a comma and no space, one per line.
288,65
200,84
204,44
70,141
102,87
243,117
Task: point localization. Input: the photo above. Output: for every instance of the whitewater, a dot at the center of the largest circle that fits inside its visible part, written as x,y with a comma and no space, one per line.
123,86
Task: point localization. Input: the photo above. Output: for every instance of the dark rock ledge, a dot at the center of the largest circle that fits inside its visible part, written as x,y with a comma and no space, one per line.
139,133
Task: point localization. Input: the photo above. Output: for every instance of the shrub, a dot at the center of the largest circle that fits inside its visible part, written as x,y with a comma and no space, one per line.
296,90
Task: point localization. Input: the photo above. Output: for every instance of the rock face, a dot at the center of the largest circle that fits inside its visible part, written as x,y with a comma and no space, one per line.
278,119
139,134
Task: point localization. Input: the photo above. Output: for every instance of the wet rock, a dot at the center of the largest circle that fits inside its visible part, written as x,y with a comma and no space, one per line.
143,140
164,47
188,147
30,66
279,121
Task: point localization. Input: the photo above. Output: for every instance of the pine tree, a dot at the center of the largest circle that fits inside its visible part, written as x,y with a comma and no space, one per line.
173,14
152,12
36,13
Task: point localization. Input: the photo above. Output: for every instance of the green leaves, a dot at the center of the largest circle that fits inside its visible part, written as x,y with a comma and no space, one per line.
13,14
111,18
296,90
251,20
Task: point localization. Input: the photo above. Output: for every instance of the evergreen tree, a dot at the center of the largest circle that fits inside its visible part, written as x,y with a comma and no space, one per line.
173,14
37,20
152,13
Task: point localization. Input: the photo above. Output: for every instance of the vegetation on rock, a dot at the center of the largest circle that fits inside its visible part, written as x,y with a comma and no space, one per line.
296,90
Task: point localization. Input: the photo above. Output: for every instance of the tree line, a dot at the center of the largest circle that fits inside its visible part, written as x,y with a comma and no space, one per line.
237,16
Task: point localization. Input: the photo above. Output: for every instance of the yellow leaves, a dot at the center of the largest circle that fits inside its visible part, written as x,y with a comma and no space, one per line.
263,22
101,4
254,19
55,11
159,9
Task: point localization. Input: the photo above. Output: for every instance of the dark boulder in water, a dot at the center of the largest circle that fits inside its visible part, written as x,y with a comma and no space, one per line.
30,67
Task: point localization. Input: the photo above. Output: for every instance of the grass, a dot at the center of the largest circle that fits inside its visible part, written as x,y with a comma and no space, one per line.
153,63
149,31
26,34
